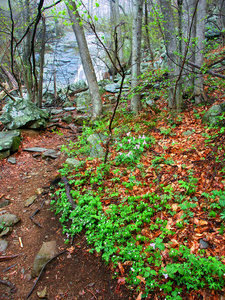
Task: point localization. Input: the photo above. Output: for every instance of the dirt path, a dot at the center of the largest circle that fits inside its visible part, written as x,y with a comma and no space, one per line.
75,275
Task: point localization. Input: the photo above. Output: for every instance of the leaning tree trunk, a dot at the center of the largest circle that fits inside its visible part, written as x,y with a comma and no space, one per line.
199,56
136,54
86,59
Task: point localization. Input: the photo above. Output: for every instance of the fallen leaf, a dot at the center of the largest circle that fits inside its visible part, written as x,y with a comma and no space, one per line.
141,278
121,280
121,268
139,296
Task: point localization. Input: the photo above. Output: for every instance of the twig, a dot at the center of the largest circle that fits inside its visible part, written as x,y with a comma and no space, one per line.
59,125
32,218
10,267
8,257
92,294
31,291
35,213
9,284
67,187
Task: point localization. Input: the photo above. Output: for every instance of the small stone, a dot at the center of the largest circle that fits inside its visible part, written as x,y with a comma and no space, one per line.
6,231
12,160
4,154
43,293
39,191
30,201
3,245
4,203
203,244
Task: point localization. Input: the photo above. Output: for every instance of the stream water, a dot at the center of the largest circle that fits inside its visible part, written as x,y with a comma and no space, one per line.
64,60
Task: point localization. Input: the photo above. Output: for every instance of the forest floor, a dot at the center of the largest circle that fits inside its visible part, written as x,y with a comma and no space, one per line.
180,163
77,274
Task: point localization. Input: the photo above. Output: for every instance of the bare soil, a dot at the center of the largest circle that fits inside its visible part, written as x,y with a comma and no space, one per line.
77,274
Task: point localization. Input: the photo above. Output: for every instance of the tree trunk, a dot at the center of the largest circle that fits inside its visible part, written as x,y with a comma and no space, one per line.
86,59
42,59
199,56
188,41
136,54
171,50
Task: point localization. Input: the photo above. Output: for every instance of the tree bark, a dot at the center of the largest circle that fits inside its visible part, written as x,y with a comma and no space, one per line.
171,49
136,54
85,59
199,56
42,59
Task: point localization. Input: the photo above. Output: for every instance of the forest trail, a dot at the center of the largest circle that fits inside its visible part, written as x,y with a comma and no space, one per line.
76,274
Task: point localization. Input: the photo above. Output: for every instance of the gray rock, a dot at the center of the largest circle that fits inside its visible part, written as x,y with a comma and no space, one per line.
96,149
4,154
30,200
67,104
211,116
67,118
35,149
51,153
9,220
12,160
69,108
188,132
4,203
112,87
55,111
3,245
203,244
47,251
9,142
80,120
83,100
150,102
23,113
77,86
72,162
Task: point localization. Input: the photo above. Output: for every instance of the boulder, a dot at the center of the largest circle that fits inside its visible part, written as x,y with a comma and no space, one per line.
78,86
96,149
83,101
81,120
112,87
47,251
67,119
23,113
72,162
9,142
212,115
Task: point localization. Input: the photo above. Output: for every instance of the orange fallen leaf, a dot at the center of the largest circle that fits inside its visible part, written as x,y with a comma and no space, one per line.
139,296
121,268
121,280
141,279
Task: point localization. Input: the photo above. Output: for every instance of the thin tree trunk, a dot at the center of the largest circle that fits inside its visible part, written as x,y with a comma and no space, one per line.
86,60
42,59
136,55
199,57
